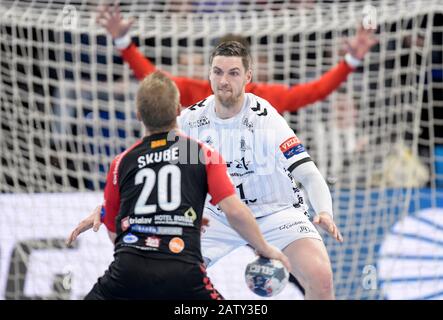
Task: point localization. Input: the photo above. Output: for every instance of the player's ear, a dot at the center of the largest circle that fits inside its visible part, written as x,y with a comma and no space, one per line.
248,75
179,109
138,115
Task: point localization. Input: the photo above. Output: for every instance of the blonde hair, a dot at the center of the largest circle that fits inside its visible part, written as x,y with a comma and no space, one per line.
157,102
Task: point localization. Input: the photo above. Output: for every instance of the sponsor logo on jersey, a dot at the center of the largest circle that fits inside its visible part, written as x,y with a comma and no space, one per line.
158,143
291,147
115,171
289,144
304,229
237,174
209,141
130,238
190,213
176,245
239,164
176,231
200,122
177,220
248,125
140,247
117,160
242,165
140,220
243,145
153,242
299,201
290,225
296,150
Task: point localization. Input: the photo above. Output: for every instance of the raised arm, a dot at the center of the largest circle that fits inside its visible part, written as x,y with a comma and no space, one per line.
110,18
292,98
282,97
117,27
301,95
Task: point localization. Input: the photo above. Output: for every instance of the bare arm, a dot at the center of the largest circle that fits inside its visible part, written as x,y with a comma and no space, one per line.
304,94
92,221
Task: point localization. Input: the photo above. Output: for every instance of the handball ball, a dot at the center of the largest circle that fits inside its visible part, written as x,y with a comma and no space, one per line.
266,277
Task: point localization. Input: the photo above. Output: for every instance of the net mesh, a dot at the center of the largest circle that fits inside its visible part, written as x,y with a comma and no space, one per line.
67,109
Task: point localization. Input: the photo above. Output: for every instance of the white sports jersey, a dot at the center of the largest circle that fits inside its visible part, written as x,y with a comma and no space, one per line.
259,148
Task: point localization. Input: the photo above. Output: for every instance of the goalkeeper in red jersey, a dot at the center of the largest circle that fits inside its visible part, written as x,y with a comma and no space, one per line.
282,97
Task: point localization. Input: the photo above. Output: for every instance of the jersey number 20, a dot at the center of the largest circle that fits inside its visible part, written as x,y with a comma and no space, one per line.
148,177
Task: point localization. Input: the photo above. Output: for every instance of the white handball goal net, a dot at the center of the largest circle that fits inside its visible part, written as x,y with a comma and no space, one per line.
67,108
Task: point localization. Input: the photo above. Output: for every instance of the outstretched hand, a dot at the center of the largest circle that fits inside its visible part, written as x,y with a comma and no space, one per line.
92,221
111,19
324,220
361,43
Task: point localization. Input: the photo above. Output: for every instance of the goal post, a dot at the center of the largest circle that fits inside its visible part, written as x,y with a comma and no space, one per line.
67,108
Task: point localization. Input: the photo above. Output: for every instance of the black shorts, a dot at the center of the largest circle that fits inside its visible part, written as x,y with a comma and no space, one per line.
133,276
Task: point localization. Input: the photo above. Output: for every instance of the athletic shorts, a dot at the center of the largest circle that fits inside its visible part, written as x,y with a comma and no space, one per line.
133,277
279,229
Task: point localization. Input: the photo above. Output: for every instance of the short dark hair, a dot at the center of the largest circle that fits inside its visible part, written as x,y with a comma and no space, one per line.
157,102
235,37
232,49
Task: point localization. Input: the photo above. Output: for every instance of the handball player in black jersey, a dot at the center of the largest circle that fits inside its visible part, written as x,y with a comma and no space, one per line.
153,203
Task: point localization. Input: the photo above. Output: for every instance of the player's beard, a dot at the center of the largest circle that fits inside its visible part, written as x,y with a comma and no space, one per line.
228,101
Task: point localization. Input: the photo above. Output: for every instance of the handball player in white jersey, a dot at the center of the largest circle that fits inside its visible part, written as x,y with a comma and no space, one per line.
264,157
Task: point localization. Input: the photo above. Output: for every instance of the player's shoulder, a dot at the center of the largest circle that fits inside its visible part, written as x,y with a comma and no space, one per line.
132,149
185,138
198,108
196,115
261,110
122,157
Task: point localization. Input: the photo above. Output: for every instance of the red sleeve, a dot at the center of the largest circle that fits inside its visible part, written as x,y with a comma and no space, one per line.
219,183
112,196
191,90
140,65
291,99
280,96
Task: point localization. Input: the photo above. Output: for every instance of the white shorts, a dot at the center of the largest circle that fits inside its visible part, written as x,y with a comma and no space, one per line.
279,229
